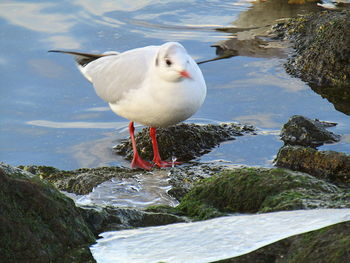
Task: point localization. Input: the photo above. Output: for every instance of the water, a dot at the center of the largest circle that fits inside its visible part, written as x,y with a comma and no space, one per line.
140,191
210,240
50,114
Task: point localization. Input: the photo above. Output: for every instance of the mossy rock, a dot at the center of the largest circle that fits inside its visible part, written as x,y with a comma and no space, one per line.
322,57
38,223
322,42
252,190
327,245
328,165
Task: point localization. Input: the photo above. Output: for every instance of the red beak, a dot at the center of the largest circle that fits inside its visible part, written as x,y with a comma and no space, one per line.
185,74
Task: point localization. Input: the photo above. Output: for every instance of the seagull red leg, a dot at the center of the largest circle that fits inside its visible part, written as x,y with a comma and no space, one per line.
137,161
156,159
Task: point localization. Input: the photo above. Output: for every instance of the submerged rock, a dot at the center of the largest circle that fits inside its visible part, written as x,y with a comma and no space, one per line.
80,181
252,190
300,130
329,244
329,165
102,219
183,141
38,223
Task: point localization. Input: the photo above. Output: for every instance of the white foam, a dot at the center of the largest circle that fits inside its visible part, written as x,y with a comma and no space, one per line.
210,240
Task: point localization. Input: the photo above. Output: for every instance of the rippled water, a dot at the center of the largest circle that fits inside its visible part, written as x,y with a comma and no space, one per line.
51,115
140,191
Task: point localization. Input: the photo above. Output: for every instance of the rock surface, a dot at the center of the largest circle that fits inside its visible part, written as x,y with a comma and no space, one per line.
80,181
183,141
322,42
330,244
300,130
329,165
102,219
252,190
322,58
38,223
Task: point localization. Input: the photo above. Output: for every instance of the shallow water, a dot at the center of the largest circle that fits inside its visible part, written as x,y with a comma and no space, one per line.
140,191
210,240
51,115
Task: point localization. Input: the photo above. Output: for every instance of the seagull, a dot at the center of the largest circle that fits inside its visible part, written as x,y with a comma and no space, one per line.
156,86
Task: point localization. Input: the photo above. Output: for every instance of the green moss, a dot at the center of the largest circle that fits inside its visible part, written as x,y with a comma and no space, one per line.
161,209
330,244
252,190
38,223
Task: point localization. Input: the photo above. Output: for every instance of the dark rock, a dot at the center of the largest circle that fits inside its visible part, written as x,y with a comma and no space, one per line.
329,244
183,141
328,165
183,177
322,58
80,181
322,42
38,223
300,130
251,190
113,218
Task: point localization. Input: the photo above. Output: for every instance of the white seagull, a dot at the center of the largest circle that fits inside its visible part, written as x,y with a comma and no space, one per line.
156,86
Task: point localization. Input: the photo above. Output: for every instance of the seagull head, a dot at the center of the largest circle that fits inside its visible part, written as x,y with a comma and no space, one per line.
173,63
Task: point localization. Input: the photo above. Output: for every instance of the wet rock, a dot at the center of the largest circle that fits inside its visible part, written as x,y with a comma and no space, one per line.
300,130
329,244
113,218
322,58
328,165
322,43
80,181
252,190
38,223
182,178
183,141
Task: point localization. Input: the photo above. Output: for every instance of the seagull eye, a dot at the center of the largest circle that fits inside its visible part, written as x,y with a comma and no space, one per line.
168,62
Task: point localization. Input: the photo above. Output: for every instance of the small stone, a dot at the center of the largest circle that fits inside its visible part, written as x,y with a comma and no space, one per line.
303,131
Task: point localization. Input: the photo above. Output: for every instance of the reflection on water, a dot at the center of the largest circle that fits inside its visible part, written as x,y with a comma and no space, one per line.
75,125
140,191
50,115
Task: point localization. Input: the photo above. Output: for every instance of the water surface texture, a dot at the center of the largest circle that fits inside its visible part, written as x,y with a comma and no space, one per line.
50,114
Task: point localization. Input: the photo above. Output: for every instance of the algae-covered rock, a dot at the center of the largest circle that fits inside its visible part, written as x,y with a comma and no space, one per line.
322,58
330,165
251,190
327,245
183,141
300,130
182,178
38,223
322,42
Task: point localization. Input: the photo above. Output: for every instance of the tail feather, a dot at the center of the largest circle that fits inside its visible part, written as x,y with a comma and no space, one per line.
83,59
